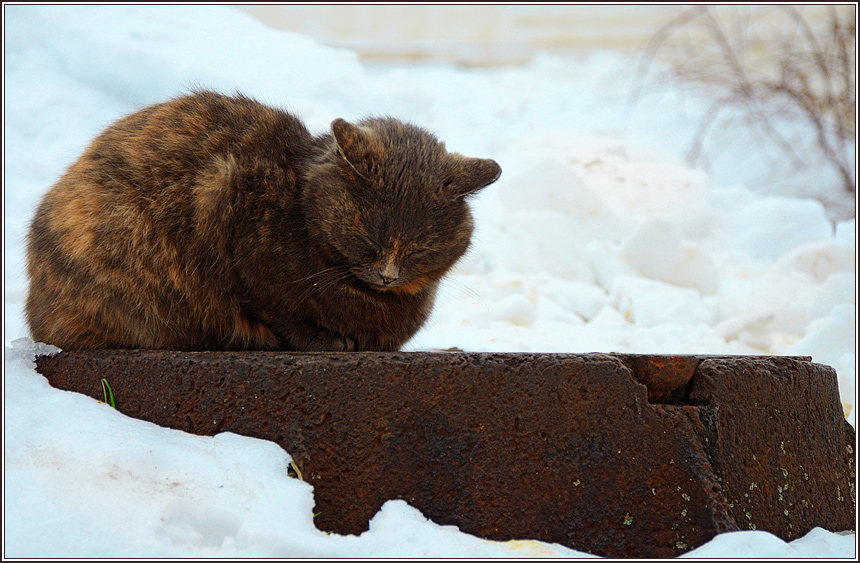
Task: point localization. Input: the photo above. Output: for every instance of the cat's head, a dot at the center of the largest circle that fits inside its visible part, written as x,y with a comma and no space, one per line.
388,201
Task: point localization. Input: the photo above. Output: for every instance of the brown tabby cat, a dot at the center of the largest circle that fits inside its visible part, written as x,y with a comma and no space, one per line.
215,222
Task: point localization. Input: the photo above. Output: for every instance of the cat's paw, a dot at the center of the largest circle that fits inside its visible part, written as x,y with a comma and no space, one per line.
329,341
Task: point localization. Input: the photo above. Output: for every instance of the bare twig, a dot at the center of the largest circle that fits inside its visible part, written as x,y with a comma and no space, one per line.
769,64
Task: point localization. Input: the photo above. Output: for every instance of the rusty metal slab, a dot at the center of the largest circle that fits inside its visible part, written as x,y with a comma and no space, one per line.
776,435
612,454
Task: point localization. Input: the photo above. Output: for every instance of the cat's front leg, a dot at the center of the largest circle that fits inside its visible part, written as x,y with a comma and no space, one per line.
306,338
330,341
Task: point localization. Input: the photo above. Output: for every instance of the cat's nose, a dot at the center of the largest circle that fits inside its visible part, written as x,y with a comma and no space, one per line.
389,274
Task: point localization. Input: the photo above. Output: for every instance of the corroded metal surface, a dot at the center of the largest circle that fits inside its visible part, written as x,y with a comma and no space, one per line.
617,455
776,435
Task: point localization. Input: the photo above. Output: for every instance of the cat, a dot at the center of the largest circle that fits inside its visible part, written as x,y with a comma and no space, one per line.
214,222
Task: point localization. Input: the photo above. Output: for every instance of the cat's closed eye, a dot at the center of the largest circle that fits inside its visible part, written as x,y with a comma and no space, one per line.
367,245
420,254
370,242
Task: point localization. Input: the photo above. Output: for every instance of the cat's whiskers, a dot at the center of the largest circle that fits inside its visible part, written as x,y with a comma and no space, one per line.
327,278
460,286
326,272
325,285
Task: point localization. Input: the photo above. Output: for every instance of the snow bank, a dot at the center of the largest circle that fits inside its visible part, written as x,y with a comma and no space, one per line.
596,238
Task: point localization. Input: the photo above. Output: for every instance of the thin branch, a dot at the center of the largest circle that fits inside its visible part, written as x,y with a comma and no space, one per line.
814,67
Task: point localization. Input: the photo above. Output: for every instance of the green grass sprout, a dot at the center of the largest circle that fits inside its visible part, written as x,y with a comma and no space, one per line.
108,393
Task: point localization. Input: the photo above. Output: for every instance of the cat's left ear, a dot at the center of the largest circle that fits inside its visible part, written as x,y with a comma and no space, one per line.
356,143
472,175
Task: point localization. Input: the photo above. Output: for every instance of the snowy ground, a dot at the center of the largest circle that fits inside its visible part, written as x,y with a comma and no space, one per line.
596,238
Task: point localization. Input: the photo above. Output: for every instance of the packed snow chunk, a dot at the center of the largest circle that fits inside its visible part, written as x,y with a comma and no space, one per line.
115,52
397,524
25,350
397,520
838,289
846,233
819,541
769,227
187,495
831,341
657,250
537,242
554,187
528,225
766,299
648,303
819,261
638,185
516,309
758,544
751,329
828,338
605,259
582,299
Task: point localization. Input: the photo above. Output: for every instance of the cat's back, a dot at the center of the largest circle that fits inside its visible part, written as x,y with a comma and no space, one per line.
125,233
172,141
152,167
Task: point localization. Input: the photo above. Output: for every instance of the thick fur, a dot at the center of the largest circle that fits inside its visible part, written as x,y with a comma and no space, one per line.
215,222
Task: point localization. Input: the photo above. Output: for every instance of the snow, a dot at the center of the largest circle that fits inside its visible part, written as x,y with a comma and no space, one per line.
596,238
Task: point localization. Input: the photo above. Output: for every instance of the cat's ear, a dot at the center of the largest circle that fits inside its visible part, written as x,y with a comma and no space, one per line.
472,175
355,142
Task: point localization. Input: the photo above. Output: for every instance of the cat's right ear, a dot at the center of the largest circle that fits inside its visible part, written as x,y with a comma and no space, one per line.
473,174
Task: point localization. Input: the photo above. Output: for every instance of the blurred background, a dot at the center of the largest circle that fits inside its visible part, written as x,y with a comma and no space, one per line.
489,35
476,35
